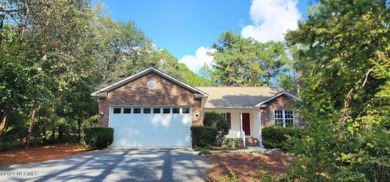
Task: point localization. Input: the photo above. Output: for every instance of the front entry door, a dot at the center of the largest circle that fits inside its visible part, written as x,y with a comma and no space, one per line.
246,123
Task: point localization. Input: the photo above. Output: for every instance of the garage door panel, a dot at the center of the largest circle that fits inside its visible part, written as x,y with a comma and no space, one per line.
151,122
150,119
163,130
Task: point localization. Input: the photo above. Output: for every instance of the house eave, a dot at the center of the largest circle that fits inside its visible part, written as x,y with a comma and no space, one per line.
263,104
99,94
230,107
200,96
142,73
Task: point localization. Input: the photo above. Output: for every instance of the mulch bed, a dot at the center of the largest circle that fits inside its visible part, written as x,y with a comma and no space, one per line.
220,148
37,154
248,167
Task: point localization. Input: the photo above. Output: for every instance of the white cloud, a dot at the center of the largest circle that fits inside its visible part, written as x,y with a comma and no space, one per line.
271,19
194,63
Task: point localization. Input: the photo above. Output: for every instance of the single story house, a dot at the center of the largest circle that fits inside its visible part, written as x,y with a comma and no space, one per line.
152,108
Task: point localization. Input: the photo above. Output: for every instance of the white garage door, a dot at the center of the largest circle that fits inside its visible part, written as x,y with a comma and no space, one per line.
151,126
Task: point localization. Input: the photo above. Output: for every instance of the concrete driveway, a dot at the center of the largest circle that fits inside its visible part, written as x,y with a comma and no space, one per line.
141,164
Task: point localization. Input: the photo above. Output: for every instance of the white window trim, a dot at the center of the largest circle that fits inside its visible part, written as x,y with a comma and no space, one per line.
284,117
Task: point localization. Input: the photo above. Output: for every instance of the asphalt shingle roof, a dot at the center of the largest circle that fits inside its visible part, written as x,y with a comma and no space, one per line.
237,97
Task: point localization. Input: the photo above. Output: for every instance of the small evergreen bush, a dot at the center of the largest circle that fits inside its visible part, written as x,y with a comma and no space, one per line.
203,136
218,121
98,137
279,137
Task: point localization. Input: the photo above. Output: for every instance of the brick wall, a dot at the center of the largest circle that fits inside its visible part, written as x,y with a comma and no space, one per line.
282,102
137,93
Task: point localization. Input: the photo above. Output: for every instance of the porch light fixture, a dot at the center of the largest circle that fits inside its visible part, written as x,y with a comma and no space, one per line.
101,113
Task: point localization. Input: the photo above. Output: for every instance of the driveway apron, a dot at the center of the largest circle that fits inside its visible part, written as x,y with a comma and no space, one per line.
134,164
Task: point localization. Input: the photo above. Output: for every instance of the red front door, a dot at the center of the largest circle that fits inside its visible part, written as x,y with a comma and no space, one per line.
246,123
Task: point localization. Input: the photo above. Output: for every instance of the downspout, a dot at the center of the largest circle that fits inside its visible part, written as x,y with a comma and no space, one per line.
261,125
242,131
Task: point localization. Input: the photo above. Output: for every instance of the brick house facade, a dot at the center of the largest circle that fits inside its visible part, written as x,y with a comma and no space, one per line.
152,108
280,103
137,93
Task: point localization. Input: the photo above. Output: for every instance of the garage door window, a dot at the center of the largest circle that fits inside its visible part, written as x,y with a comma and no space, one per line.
137,110
167,110
175,110
126,110
156,110
147,111
117,110
185,110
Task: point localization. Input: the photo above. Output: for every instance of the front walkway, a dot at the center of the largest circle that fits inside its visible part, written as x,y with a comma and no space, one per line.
135,164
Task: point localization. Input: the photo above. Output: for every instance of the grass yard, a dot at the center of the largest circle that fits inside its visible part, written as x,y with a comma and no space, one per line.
247,167
37,154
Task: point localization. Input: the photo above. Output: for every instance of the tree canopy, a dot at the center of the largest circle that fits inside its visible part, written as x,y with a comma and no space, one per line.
247,62
345,66
53,54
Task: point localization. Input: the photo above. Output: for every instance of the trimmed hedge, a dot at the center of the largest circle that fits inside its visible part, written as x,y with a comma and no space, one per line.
98,137
203,136
279,137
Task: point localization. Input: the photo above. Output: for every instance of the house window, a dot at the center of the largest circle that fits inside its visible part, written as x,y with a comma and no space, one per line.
284,118
152,84
289,117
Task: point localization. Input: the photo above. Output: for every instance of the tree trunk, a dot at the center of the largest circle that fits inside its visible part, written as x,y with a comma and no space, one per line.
53,135
268,76
79,131
3,126
35,141
2,17
1,28
30,127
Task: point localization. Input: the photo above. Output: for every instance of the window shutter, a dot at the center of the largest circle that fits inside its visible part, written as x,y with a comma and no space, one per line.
228,119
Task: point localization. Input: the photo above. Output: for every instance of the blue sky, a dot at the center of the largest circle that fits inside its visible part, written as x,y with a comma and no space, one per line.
187,29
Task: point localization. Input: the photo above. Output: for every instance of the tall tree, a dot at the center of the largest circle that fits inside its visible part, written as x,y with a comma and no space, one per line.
291,79
345,91
231,60
48,46
53,54
272,58
240,61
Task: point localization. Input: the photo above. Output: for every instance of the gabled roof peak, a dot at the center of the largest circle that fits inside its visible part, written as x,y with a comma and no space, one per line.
103,92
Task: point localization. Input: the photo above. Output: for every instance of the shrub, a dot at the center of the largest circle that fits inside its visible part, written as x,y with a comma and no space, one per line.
218,121
204,151
231,177
98,137
203,136
279,137
91,121
230,144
